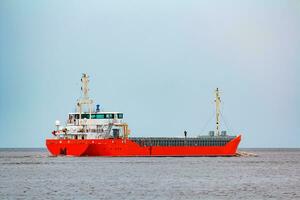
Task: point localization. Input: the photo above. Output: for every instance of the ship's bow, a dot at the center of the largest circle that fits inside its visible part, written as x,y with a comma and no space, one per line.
232,146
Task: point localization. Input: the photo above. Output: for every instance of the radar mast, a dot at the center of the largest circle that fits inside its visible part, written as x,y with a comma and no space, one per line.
218,102
84,100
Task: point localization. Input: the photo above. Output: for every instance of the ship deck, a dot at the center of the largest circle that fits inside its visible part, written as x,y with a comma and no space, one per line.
189,141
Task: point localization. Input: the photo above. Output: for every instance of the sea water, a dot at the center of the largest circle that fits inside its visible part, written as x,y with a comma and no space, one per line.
33,174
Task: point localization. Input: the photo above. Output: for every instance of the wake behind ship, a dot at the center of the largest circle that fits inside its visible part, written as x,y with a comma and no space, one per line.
98,133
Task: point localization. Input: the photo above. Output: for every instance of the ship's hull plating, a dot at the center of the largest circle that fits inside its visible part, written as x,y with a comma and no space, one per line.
120,147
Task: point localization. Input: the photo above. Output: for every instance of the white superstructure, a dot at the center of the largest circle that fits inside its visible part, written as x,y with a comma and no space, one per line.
93,124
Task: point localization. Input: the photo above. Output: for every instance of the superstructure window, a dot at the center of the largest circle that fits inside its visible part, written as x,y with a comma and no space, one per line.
108,116
85,116
103,116
120,116
100,116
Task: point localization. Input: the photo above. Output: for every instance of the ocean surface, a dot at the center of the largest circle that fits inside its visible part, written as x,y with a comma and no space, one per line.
33,174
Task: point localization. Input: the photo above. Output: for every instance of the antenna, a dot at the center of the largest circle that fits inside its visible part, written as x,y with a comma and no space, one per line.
218,102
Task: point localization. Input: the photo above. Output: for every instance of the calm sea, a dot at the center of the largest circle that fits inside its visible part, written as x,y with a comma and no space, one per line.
33,174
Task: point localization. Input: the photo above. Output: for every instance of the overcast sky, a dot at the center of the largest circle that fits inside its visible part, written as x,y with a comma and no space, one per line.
157,61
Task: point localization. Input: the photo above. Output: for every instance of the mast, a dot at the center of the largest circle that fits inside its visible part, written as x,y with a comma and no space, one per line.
218,102
85,100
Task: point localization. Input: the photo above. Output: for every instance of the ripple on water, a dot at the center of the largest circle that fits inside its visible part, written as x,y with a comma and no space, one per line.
35,175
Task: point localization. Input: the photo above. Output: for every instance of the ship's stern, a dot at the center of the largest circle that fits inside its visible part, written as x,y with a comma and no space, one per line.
66,147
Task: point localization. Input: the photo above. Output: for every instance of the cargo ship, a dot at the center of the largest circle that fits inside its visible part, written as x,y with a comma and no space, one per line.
93,132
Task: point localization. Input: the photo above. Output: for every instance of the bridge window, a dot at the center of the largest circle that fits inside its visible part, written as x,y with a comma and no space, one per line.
99,116
109,116
85,116
120,116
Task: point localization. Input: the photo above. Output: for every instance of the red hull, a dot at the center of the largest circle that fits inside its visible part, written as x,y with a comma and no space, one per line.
119,147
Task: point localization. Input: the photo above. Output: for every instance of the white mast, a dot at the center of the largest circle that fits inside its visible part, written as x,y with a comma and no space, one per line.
85,100
218,102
